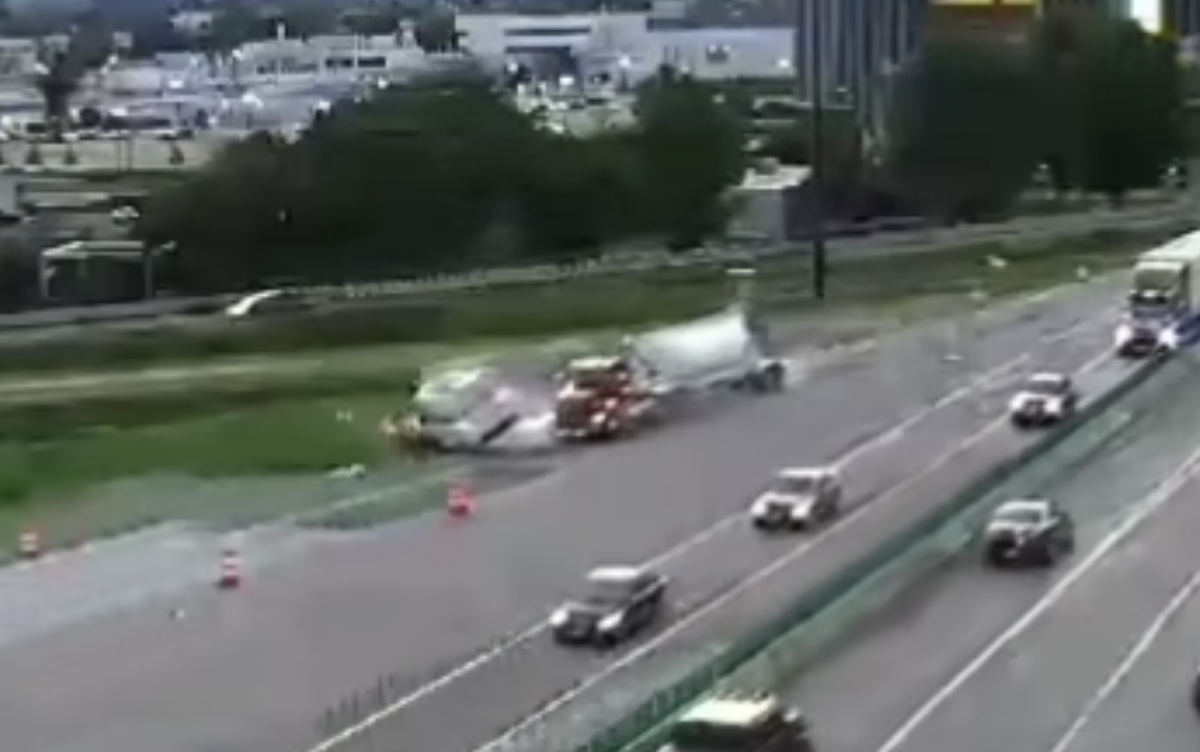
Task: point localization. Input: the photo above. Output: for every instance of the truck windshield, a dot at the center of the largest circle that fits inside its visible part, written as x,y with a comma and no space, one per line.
1153,290
801,485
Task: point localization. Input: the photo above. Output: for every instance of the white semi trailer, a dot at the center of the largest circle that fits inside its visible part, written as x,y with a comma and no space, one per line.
1163,302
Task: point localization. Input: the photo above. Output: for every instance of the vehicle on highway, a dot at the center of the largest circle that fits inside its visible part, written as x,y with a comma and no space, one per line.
619,603
599,398
1141,335
1196,692
460,409
1164,297
740,723
1028,531
800,498
726,350
267,302
1044,400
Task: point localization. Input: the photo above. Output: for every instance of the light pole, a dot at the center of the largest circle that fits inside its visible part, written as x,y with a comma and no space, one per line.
807,36
743,278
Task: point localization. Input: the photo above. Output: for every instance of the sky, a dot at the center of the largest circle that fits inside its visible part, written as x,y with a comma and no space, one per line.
1147,12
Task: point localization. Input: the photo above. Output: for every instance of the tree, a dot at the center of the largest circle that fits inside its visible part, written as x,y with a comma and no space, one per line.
444,174
435,31
234,24
372,20
1059,44
1115,96
1133,101
692,153
964,128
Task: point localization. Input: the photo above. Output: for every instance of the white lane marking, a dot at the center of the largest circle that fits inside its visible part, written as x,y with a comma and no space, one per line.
738,518
749,583
741,587
1149,504
1129,662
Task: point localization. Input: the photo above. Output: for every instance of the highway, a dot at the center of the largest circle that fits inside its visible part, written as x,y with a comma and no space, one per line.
451,611
1096,656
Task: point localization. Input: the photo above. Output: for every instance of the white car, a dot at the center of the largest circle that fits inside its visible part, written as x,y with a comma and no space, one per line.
799,499
1045,399
462,409
265,302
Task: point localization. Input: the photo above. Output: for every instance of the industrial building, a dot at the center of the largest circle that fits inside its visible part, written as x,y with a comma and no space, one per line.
1180,18
860,43
622,45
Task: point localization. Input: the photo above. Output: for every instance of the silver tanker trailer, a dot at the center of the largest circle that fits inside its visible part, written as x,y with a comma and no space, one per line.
602,396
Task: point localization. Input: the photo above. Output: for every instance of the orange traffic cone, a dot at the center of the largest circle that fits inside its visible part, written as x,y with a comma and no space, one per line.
460,502
30,544
230,577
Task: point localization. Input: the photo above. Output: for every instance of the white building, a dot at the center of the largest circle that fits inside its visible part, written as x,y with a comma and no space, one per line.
18,58
333,56
625,45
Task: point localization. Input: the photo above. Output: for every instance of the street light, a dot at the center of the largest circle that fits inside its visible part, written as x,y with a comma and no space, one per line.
807,36
743,278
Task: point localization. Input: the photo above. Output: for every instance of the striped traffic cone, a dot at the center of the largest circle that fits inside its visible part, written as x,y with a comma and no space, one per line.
30,544
460,502
230,577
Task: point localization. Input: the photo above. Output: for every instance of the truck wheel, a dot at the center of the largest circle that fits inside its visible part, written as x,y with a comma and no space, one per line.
767,380
776,376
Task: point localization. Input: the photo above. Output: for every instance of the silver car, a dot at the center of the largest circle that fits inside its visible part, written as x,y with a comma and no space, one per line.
462,409
799,499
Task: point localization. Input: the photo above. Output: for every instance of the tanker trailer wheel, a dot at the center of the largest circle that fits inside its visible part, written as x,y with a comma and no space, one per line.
769,379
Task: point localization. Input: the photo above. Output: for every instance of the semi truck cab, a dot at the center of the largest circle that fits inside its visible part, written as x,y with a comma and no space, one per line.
599,397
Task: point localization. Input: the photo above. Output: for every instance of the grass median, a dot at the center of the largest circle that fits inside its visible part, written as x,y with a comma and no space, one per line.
104,449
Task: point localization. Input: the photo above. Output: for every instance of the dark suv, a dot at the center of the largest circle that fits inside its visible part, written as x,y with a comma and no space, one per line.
1028,531
757,723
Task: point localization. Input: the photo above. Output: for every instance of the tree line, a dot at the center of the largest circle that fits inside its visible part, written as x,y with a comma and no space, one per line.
444,174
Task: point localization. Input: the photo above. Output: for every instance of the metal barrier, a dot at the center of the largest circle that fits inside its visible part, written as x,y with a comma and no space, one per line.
854,243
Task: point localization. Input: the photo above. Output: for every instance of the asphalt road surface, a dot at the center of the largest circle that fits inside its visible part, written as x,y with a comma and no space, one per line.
207,672
1096,656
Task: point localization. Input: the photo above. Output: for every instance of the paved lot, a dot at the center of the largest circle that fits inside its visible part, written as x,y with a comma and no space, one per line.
415,599
1096,656
138,154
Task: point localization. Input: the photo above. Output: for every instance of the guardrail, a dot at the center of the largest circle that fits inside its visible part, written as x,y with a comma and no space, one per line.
775,649
846,247
852,242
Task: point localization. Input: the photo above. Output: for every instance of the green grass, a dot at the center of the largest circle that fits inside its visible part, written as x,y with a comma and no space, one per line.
273,439
227,469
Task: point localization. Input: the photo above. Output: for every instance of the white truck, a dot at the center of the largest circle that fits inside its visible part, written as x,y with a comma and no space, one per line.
724,350
652,370
459,409
1163,303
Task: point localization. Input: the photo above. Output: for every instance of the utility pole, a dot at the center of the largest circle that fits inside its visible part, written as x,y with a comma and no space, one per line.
810,63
